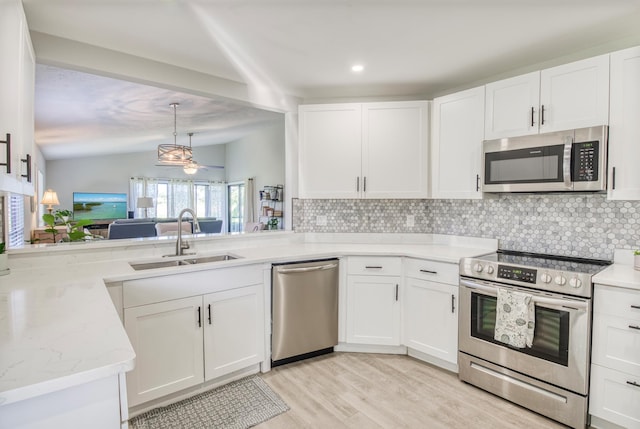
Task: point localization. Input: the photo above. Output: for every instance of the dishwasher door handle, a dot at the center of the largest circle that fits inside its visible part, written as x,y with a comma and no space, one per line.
306,269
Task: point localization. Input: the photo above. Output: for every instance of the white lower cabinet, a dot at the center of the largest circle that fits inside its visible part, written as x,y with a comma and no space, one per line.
373,294
373,310
615,362
168,343
431,309
431,319
182,342
233,335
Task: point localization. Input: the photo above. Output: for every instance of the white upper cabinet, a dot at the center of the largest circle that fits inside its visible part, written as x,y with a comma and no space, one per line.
512,106
624,126
573,95
370,150
16,96
394,151
456,148
330,150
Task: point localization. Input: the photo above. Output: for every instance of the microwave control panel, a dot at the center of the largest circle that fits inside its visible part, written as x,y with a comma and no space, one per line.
585,157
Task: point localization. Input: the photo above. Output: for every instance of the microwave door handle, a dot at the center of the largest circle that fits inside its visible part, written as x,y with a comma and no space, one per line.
566,164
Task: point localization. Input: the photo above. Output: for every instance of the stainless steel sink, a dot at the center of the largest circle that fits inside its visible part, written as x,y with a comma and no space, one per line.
214,258
181,262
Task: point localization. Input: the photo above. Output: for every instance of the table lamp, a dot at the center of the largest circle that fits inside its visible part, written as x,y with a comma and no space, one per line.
144,203
50,199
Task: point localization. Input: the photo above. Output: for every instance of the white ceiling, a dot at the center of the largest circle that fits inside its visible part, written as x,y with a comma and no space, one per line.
79,114
306,47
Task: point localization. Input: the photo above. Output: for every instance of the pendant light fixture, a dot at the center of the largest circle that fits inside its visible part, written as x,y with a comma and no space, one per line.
174,154
190,167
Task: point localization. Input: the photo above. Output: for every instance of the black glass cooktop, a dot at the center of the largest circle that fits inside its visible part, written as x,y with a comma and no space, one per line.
552,262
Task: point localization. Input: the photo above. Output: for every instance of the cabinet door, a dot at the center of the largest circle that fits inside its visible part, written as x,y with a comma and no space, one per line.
575,95
512,106
11,42
431,318
457,134
167,339
616,343
394,150
234,330
373,310
330,150
624,126
615,397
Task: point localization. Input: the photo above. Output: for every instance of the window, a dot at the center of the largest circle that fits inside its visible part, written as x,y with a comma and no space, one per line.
170,196
236,207
15,231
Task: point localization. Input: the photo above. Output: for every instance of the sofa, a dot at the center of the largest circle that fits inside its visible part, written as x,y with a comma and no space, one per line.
152,227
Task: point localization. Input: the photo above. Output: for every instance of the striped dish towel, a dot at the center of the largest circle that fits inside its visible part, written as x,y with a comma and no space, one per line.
515,318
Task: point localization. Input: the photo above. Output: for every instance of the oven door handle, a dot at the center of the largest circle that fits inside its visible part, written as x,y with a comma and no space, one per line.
561,304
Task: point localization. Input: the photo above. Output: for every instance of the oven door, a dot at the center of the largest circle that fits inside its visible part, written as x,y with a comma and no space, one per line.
560,351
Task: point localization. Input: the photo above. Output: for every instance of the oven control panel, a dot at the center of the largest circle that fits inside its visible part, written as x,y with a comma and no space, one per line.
525,275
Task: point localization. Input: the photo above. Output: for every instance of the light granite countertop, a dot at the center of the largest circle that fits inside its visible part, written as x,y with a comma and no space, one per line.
59,328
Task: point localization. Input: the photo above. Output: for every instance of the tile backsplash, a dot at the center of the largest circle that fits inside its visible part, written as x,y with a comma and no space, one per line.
581,225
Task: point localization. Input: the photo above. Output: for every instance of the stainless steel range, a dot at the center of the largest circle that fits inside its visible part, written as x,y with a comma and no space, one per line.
549,372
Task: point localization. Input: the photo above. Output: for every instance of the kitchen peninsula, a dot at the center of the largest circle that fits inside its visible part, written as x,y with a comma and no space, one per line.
61,336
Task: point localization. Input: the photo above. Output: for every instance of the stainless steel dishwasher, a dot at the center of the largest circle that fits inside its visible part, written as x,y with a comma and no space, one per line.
304,307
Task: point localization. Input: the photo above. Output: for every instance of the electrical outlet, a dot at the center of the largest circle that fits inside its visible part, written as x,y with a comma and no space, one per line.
321,220
411,220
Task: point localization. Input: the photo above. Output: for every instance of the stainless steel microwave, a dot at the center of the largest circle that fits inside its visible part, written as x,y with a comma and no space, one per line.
573,160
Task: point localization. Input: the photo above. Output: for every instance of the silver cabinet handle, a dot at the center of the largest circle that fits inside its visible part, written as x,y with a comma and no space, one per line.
364,186
199,317
306,269
542,115
396,291
358,184
633,383
209,306
453,303
635,307
634,327
373,267
428,272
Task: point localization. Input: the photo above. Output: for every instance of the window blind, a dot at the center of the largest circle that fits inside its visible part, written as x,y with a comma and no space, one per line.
16,221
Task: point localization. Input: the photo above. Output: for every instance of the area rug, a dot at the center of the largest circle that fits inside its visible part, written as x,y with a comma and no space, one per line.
238,405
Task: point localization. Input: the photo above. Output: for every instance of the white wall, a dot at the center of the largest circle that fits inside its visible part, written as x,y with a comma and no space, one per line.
259,155
111,173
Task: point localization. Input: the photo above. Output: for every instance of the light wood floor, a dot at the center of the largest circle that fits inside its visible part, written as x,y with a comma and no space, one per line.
352,390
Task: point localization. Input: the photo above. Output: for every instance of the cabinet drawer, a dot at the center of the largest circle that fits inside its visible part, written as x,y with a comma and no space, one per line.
616,343
374,265
616,301
441,272
614,397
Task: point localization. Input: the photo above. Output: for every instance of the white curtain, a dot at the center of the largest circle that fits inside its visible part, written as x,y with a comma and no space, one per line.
180,195
249,201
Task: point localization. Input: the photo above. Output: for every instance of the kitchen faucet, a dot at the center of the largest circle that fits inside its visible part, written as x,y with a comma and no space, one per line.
196,228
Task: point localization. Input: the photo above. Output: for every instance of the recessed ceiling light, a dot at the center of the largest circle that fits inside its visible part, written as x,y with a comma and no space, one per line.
357,68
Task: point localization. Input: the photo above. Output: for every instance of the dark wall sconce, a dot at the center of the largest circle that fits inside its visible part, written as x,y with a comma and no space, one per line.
27,161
